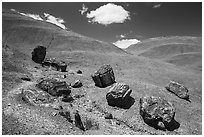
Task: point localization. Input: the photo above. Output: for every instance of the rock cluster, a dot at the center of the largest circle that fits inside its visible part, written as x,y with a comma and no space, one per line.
104,76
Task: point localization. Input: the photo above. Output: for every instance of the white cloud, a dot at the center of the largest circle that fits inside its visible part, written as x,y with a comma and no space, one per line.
157,5
12,9
47,17
122,36
34,16
124,43
54,20
108,14
84,9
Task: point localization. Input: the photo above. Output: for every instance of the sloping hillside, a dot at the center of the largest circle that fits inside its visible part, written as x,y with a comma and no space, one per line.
26,33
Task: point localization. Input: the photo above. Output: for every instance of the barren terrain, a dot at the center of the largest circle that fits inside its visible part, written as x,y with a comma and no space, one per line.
146,68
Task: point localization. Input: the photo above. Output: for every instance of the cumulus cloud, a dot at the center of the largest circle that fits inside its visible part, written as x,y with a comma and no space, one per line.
54,20
157,5
124,43
108,14
84,9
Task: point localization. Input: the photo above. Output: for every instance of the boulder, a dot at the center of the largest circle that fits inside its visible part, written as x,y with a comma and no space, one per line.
77,84
178,89
104,76
157,112
119,95
54,87
38,54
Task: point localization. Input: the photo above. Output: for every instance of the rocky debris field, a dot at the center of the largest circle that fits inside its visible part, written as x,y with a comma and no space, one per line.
54,102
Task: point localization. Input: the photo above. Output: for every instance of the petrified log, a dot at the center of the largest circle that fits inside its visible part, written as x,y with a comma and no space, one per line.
119,95
54,87
38,54
157,112
178,89
104,76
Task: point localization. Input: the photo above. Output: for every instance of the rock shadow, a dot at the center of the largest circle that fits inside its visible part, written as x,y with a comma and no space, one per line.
172,125
165,126
125,104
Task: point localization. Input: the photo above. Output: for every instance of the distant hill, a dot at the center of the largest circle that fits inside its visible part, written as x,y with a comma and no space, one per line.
178,50
26,33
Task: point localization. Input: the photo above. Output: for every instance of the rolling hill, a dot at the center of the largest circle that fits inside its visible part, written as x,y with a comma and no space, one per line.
174,49
152,64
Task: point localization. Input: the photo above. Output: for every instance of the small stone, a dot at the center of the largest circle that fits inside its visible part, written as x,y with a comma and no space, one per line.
117,123
89,109
67,98
108,116
79,72
54,114
77,84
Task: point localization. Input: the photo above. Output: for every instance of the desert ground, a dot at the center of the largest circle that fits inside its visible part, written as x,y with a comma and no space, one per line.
146,67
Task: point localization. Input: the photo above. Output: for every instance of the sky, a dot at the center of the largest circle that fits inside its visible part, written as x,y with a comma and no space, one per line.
120,23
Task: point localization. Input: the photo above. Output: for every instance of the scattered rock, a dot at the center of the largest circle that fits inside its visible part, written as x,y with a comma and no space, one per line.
56,106
78,122
67,98
77,84
89,109
157,112
25,77
178,89
54,87
104,76
117,122
108,116
66,114
38,54
54,114
79,96
79,72
71,72
119,95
